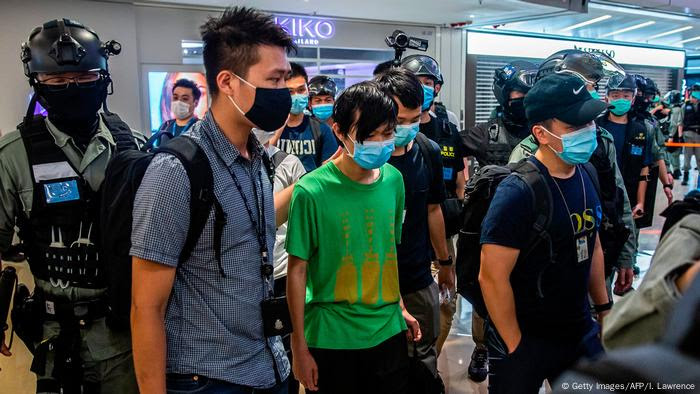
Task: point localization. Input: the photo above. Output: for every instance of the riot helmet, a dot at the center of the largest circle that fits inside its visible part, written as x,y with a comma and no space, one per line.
516,76
422,66
673,97
322,85
591,67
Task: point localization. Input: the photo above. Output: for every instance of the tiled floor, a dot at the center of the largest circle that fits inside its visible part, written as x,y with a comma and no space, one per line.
15,377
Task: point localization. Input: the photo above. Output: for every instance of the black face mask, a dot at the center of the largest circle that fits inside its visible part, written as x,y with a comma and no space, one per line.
270,108
515,111
74,109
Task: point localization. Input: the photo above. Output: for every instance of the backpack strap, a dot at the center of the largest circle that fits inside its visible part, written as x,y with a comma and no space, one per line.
426,149
121,132
589,169
278,158
316,132
202,196
156,138
542,206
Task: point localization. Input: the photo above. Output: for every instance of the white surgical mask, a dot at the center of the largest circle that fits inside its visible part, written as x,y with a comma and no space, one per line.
180,110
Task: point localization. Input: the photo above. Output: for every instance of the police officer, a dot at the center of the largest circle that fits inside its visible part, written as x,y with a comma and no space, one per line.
322,92
441,131
617,235
647,93
673,101
690,130
51,170
493,141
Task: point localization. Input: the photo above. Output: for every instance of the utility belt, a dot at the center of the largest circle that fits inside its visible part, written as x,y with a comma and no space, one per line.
28,317
31,311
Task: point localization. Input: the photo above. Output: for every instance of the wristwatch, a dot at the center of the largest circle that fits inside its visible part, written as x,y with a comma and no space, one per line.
445,263
603,307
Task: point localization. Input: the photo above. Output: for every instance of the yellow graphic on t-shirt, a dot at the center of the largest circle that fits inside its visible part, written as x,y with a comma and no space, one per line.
346,281
351,287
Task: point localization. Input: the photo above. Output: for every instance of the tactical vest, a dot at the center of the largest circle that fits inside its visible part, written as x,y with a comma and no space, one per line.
633,153
691,117
446,135
61,233
499,143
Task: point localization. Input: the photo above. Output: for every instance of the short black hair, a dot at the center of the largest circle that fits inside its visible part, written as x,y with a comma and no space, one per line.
383,67
298,71
186,83
366,107
231,41
402,84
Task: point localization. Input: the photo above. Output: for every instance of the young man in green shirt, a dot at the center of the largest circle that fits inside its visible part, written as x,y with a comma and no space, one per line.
345,219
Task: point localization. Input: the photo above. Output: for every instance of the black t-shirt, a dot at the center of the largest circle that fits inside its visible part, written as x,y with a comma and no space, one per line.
450,149
562,308
422,188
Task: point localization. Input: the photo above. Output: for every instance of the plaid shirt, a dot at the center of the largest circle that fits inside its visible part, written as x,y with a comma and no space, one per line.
213,323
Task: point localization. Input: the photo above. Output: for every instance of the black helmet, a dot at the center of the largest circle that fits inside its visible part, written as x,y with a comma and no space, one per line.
518,75
422,65
591,67
673,97
647,86
322,85
64,45
440,81
695,87
629,84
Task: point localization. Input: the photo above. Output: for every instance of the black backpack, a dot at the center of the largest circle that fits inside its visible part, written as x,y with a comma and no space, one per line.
122,180
478,195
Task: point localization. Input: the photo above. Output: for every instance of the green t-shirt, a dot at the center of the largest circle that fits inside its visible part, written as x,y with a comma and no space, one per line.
347,233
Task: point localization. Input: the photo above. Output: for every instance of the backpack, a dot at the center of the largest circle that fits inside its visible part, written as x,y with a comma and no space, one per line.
278,158
451,207
122,181
479,192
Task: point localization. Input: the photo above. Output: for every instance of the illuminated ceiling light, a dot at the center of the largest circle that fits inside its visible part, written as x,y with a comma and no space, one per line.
472,16
688,40
586,23
668,33
626,29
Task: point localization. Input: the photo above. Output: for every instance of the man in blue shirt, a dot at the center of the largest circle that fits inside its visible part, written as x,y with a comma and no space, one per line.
537,293
186,95
197,325
304,136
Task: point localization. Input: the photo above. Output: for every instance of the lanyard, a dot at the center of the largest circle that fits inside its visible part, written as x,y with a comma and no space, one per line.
564,199
266,268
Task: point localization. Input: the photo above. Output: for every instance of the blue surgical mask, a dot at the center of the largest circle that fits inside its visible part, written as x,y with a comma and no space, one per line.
695,95
372,154
577,147
299,103
406,133
428,96
594,94
322,111
620,106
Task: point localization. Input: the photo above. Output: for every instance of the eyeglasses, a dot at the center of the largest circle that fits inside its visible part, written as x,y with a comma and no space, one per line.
86,80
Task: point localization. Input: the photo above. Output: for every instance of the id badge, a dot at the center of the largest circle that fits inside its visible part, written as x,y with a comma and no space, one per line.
582,249
636,150
61,191
447,173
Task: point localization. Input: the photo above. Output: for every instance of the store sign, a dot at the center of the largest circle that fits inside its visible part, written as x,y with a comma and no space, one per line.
541,48
306,31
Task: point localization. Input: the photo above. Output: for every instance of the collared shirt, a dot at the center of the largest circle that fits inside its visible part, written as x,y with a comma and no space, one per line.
16,198
213,323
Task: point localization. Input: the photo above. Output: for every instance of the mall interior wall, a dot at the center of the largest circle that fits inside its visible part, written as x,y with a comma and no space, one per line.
152,36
